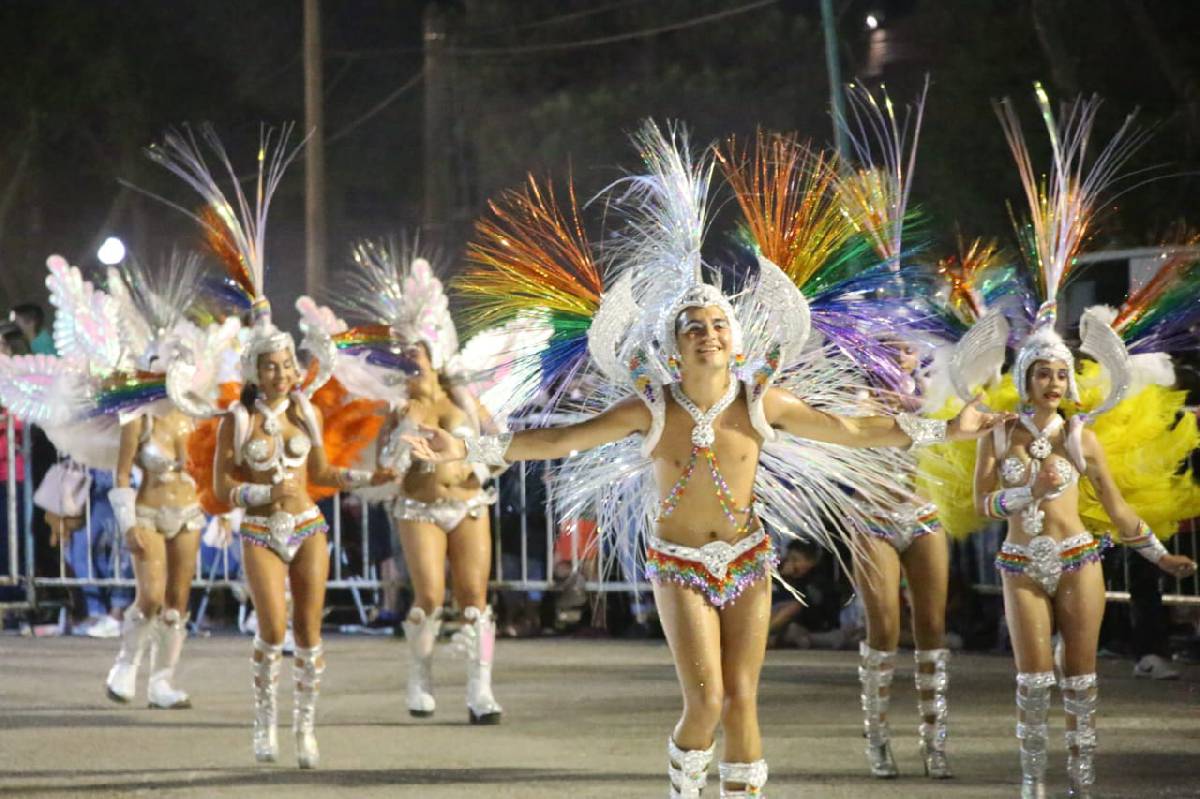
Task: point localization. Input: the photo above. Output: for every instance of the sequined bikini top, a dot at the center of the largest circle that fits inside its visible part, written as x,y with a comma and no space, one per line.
703,437
153,460
265,455
1014,471
273,454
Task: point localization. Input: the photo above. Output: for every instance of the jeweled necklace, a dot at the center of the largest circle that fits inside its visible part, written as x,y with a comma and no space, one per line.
703,436
1041,448
1032,516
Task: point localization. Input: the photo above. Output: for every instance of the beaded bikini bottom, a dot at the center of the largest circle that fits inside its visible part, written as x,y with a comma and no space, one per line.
1044,559
283,533
900,528
718,570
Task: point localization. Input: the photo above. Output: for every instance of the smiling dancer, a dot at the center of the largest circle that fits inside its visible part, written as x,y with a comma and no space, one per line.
1028,473
686,451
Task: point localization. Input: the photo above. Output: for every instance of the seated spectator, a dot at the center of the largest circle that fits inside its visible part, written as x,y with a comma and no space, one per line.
816,624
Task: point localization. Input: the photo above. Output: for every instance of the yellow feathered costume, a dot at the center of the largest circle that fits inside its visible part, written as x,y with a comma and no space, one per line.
1145,440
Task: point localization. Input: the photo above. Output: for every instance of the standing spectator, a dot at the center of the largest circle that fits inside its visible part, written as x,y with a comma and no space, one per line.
108,559
30,319
11,474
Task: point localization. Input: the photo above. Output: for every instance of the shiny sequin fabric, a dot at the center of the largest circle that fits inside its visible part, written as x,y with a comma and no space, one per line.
904,526
1045,560
718,570
283,533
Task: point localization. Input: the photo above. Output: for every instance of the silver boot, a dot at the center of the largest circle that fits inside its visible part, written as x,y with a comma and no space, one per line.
1079,695
307,669
170,631
266,668
421,632
1033,708
136,638
933,728
751,777
478,638
875,672
687,770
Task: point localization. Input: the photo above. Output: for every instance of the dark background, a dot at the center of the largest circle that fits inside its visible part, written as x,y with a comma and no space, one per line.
551,86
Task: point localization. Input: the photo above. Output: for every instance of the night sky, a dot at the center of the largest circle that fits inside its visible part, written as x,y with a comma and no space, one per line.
548,86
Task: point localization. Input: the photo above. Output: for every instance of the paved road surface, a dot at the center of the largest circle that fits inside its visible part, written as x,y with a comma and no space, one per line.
584,719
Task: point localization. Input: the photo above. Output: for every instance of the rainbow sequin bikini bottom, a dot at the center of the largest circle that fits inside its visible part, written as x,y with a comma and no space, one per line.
718,570
903,526
1044,559
283,533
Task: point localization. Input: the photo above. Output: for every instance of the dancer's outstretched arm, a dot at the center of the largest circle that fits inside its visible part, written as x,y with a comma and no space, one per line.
791,414
623,419
1135,533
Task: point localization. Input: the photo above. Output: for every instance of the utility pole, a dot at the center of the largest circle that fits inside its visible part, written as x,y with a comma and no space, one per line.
314,153
833,65
437,134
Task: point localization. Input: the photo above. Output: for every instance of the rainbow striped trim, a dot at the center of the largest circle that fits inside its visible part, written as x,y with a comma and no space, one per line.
925,523
1073,558
260,534
746,569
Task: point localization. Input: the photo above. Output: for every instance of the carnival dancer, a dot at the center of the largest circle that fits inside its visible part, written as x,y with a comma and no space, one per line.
669,346
440,510
162,519
838,232
908,537
270,443
103,400
1028,472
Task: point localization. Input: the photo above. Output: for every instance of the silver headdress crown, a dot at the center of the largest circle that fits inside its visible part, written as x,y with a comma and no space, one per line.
1044,344
398,287
659,252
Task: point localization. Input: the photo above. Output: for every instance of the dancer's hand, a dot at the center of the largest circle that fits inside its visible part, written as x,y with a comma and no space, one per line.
286,489
1178,566
134,542
435,445
382,477
1048,480
973,422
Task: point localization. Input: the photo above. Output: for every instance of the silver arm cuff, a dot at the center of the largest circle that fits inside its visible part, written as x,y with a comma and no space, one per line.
1146,544
249,495
351,479
922,431
489,450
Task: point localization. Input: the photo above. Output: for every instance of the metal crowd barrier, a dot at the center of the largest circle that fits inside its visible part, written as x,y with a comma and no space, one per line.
354,569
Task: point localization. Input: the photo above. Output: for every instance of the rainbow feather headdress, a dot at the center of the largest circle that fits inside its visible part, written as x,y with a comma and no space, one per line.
837,235
235,229
1063,210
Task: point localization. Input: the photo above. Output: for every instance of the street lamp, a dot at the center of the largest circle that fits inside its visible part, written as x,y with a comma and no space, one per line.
111,252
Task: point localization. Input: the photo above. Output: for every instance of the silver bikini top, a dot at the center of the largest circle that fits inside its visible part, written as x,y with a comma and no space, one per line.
153,460
272,453
1014,471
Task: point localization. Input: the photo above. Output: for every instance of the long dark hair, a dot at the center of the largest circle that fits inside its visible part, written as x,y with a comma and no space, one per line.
249,395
